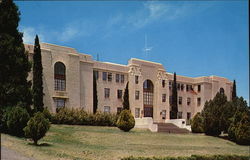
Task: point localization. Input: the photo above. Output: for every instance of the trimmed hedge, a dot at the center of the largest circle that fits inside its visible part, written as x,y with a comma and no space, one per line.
80,117
193,157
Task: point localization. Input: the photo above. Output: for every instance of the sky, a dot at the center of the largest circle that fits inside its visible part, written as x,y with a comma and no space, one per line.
191,38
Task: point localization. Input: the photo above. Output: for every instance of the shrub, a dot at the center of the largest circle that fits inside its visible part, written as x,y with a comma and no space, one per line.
197,123
242,131
37,127
47,114
125,121
17,119
4,117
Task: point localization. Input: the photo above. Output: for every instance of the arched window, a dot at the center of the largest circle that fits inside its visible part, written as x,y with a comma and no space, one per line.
222,91
59,76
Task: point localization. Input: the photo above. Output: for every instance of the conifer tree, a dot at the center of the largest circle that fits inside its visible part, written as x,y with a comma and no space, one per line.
125,102
37,77
14,64
174,104
234,94
95,99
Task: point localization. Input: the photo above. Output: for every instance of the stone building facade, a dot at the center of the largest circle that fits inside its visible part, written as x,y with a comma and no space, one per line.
68,82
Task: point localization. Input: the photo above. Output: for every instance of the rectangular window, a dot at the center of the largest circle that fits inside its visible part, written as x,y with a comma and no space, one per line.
96,74
106,92
137,95
119,109
136,79
163,97
137,112
170,85
188,115
163,114
163,83
148,98
122,78
180,100
178,86
106,109
117,78
198,101
170,100
104,76
182,87
199,88
187,87
188,101
119,94
60,102
179,115
109,76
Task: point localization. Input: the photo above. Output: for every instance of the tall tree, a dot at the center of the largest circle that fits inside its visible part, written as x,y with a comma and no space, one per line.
174,104
37,77
125,102
14,64
95,98
234,94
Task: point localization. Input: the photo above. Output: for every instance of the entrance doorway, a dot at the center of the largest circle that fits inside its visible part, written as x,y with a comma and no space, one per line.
148,94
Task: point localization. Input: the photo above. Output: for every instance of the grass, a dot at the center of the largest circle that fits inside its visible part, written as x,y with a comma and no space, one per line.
89,142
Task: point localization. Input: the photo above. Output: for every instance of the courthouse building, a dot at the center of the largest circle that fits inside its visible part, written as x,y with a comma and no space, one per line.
68,82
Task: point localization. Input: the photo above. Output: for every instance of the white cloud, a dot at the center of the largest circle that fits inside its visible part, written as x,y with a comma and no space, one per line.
29,34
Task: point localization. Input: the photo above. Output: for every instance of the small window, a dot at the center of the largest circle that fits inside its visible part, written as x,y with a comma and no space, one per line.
199,88
178,86
106,92
96,74
163,114
104,76
180,100
188,101
179,115
163,83
163,97
119,110
117,78
119,94
122,78
136,79
182,87
170,85
106,109
109,77
222,91
137,95
187,87
137,112
188,115
198,101
60,102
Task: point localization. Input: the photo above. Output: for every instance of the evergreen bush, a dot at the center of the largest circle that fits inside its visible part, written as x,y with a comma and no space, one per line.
17,119
125,121
37,127
197,123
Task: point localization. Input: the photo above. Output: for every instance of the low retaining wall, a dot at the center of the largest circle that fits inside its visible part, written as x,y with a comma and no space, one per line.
147,123
181,123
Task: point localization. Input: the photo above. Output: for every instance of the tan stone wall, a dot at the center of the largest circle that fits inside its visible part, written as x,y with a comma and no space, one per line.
79,83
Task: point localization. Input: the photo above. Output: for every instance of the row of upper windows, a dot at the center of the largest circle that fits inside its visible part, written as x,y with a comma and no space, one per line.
107,76
181,87
188,100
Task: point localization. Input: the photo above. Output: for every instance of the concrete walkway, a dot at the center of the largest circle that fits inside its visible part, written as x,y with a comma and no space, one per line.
8,154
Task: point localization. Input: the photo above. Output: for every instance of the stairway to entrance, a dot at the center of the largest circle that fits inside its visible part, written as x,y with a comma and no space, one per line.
171,128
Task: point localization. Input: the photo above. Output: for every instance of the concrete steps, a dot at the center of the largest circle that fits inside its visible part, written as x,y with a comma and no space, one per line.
171,128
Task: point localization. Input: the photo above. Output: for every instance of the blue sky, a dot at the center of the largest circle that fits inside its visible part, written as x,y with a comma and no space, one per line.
191,38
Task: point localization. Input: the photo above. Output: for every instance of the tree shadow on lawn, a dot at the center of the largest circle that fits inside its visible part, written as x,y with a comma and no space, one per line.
40,145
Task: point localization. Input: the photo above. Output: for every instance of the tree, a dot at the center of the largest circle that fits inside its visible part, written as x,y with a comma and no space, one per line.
174,104
234,94
212,114
37,77
126,120
125,102
95,98
37,127
197,123
14,64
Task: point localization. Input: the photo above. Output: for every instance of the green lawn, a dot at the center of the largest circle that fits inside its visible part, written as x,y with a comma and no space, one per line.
88,142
